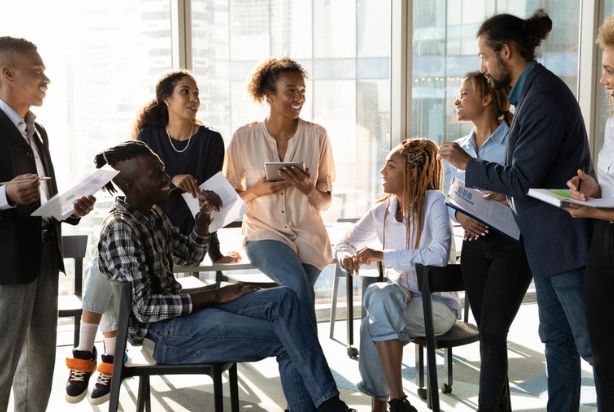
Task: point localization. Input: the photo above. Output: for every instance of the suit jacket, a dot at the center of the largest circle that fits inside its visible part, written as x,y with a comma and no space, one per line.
20,233
547,144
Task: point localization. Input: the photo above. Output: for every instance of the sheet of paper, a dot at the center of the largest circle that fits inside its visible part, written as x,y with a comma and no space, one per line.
559,197
233,207
489,212
60,206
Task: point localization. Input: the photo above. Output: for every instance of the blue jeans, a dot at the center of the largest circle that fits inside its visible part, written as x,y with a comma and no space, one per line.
258,325
281,264
563,329
392,314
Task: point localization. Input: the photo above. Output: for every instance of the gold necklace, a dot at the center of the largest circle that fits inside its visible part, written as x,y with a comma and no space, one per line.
171,141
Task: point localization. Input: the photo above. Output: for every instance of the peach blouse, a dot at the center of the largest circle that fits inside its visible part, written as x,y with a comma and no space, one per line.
285,216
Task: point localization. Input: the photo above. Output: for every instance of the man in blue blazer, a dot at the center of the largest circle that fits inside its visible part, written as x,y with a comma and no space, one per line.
547,144
30,247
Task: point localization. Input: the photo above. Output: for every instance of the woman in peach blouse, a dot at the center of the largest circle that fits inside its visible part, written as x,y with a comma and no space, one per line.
284,234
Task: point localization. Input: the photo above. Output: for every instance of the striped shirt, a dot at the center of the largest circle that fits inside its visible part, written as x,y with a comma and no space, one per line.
141,249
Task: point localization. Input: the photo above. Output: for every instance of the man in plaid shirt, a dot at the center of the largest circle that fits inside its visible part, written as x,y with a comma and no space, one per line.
236,323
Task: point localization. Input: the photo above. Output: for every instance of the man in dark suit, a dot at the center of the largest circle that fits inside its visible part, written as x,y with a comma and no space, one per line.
547,144
30,247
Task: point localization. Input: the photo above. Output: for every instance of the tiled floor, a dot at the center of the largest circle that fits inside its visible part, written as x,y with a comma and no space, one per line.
260,389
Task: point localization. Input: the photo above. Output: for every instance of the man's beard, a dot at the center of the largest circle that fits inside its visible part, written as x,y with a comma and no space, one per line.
505,79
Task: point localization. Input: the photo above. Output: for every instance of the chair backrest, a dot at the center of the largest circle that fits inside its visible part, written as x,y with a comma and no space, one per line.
440,279
74,247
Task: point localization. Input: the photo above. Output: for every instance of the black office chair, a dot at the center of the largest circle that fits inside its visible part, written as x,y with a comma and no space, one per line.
439,279
122,294
73,247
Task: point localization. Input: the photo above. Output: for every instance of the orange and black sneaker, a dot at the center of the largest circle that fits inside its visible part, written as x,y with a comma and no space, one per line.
81,366
102,388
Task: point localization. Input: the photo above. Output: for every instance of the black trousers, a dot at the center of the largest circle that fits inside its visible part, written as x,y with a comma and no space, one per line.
599,292
496,275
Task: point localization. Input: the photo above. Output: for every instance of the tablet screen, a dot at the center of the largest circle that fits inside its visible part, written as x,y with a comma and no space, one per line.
271,169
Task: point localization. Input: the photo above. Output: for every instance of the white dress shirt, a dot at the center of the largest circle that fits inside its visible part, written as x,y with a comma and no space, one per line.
605,165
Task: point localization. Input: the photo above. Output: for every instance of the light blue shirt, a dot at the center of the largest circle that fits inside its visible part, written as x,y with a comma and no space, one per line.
492,150
514,95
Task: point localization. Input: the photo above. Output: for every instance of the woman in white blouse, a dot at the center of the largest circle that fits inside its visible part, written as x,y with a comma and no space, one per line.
411,226
599,276
284,234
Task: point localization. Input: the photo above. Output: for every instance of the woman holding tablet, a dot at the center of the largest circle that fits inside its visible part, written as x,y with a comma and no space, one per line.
283,232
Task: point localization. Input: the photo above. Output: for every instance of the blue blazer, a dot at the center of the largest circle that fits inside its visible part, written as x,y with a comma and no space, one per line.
547,144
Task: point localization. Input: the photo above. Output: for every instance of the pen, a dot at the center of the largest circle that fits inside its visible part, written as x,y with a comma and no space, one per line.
22,181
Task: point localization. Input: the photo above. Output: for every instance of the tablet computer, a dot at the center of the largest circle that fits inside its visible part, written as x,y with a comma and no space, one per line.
271,169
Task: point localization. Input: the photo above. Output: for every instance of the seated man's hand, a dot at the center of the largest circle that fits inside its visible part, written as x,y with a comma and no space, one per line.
367,256
233,292
351,265
23,190
83,206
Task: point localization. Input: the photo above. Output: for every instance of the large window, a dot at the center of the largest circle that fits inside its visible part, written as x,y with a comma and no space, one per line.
345,47
103,59
444,49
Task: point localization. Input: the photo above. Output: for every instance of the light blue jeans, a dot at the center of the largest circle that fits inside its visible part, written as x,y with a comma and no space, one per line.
392,313
563,329
98,297
256,326
281,264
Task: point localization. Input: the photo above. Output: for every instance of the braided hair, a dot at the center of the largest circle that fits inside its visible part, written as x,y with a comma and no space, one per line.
423,172
123,151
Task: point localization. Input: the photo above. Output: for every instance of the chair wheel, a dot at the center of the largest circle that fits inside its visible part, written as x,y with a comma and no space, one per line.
352,352
422,393
446,388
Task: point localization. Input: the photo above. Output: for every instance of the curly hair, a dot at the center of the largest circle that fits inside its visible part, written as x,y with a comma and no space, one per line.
155,113
264,78
526,34
605,37
423,172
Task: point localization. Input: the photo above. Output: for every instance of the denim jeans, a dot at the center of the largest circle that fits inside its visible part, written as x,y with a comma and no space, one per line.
258,325
563,329
98,297
392,314
281,264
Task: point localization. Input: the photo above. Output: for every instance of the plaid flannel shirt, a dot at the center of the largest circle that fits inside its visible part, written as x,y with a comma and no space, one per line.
142,249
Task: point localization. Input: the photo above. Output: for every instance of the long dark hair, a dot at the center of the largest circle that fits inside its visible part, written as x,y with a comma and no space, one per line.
526,34
155,113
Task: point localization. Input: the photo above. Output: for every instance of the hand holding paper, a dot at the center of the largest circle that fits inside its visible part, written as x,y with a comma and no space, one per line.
232,207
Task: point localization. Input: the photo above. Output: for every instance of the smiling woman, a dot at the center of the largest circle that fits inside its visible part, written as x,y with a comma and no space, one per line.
284,232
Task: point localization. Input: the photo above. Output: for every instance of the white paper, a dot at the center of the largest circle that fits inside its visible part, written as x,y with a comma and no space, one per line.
489,212
560,197
233,207
61,205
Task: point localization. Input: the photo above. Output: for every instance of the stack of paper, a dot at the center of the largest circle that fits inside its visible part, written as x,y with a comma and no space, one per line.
61,206
562,198
489,212
233,207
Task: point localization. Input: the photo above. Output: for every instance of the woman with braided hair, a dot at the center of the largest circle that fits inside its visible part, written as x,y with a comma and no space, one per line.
411,224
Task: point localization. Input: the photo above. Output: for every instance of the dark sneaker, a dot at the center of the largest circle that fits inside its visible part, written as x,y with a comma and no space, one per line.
81,366
102,388
401,405
334,405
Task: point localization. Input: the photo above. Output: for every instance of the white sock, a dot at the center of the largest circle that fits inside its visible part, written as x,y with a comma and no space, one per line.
109,346
87,336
